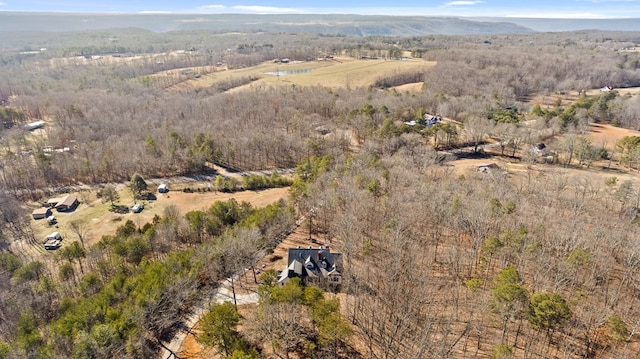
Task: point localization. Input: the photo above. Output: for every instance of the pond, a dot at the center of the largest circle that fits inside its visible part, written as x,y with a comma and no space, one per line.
288,72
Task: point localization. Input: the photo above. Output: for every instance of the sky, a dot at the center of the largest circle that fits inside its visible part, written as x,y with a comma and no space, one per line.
586,9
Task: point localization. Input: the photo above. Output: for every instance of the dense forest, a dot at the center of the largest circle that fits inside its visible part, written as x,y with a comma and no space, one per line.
437,263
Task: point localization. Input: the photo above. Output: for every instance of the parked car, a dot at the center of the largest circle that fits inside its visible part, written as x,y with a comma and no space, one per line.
137,208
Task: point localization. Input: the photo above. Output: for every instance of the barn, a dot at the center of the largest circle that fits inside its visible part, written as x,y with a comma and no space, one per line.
41,213
68,203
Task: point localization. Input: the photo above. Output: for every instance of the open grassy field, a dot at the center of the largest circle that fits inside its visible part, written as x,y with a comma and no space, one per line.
334,73
604,135
97,220
569,97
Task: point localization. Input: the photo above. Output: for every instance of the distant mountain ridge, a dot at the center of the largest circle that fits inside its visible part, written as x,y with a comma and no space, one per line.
329,24
560,25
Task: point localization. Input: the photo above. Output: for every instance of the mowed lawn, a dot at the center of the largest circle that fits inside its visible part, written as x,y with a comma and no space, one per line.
334,73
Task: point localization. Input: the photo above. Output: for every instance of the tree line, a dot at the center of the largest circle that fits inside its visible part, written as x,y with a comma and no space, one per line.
99,111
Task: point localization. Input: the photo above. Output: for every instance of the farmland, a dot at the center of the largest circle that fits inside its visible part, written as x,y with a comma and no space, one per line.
337,72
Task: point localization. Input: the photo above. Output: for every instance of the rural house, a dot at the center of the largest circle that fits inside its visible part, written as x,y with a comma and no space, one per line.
68,203
41,213
51,203
431,120
313,265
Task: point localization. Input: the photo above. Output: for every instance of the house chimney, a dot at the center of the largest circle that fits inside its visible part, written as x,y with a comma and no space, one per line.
320,257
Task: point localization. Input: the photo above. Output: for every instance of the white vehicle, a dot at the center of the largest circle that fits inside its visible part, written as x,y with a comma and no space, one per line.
53,241
53,236
137,208
52,244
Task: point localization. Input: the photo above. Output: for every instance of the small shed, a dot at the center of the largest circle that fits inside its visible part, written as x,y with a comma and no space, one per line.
40,213
163,188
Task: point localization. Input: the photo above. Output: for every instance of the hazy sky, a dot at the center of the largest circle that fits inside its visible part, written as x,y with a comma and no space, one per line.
591,9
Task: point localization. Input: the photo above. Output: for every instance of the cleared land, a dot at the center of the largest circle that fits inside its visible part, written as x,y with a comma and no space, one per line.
569,97
98,220
334,73
607,135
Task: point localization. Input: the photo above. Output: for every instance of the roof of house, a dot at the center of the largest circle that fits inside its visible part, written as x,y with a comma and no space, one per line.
54,200
41,211
68,201
312,262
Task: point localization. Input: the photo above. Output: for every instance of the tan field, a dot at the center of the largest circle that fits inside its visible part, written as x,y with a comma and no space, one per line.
98,220
607,136
334,73
569,97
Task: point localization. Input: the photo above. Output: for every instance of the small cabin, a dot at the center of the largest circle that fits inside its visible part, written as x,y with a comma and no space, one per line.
41,213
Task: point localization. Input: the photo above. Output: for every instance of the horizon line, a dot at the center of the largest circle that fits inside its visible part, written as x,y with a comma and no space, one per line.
159,12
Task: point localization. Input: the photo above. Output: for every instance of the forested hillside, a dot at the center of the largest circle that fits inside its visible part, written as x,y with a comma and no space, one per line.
327,24
540,260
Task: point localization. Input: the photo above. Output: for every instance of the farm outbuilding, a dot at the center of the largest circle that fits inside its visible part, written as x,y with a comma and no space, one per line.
68,203
41,213
52,202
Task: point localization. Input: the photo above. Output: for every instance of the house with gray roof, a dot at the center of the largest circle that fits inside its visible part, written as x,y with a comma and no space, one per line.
315,266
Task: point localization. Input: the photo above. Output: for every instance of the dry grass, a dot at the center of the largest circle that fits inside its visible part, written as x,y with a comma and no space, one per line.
99,221
607,136
569,97
333,73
